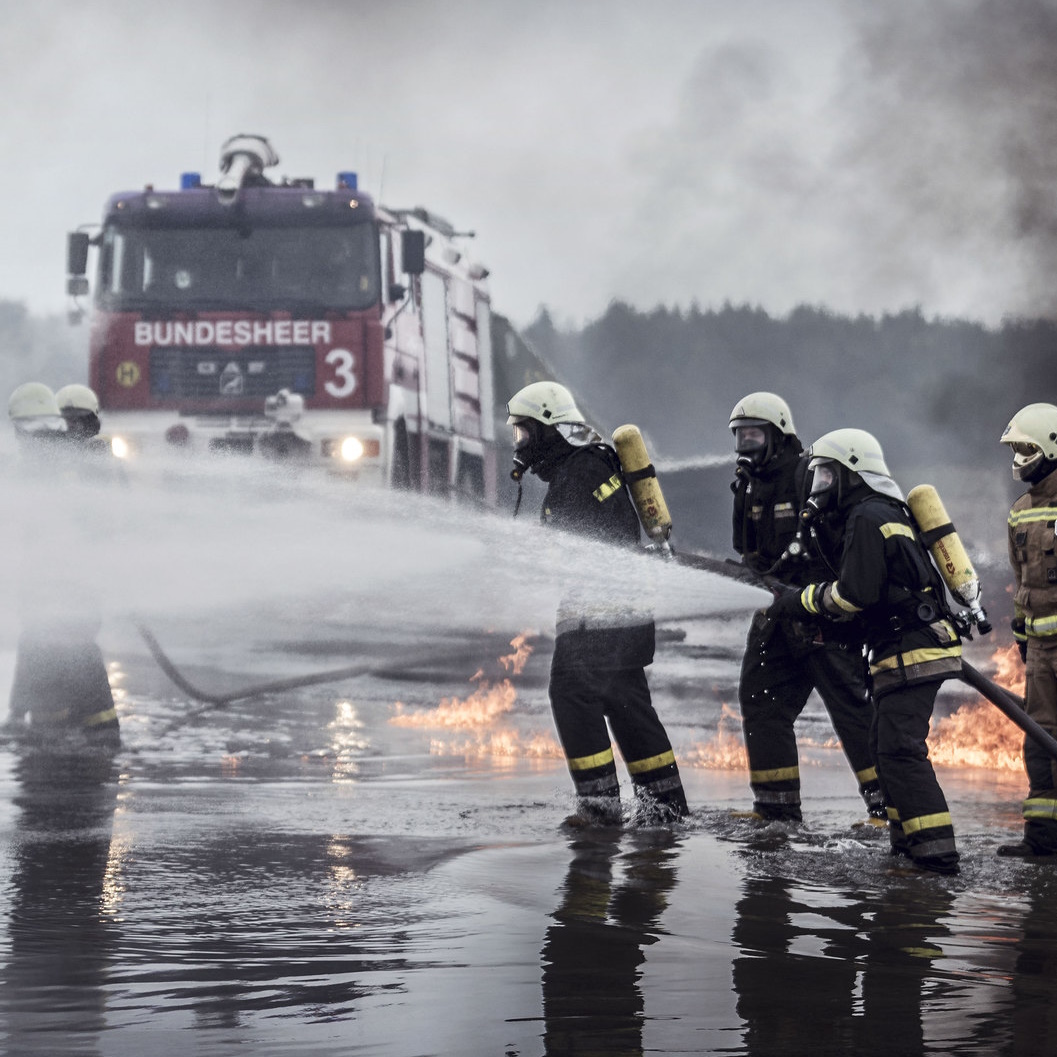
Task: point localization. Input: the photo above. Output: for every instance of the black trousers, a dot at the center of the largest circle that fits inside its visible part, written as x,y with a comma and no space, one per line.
778,672
919,822
61,681
1040,702
583,698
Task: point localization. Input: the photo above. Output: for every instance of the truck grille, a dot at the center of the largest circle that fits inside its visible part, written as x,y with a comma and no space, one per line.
204,373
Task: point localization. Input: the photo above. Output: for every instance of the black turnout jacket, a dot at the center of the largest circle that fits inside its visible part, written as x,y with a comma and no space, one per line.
888,581
598,623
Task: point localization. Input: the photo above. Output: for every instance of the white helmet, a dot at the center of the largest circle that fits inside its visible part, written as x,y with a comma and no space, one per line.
32,400
757,408
546,402
1032,434
855,448
33,408
77,397
860,453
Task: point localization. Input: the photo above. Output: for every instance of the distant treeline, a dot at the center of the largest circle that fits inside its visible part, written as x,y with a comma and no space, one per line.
933,391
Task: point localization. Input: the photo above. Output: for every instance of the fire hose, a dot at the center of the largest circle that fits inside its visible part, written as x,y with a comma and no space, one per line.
1010,704
377,668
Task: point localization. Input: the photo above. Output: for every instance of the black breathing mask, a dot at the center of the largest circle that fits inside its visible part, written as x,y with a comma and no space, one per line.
526,446
753,444
825,487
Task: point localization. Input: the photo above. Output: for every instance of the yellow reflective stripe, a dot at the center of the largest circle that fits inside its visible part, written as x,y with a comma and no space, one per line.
840,601
807,598
914,825
923,656
651,763
894,528
893,814
869,775
1040,626
1038,513
605,490
776,774
585,763
1040,807
101,717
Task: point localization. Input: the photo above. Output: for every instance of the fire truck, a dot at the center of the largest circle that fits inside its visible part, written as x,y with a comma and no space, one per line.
277,319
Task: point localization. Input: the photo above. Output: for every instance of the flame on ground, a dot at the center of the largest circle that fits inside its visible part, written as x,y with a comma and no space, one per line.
478,710
480,716
515,662
1009,668
977,734
725,751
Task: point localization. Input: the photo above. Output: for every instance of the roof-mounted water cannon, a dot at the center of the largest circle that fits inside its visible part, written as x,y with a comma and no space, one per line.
243,159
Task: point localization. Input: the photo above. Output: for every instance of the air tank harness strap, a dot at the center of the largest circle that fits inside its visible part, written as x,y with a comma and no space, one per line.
913,609
631,476
937,533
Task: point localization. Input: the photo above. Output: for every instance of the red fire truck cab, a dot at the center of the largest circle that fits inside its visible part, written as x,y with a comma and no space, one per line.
285,321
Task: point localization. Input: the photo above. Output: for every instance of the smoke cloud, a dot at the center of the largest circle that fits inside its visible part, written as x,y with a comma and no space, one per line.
860,156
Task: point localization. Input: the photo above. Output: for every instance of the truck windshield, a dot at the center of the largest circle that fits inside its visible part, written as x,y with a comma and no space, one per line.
229,268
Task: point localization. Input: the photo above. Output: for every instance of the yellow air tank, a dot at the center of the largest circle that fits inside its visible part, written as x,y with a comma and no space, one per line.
641,479
940,537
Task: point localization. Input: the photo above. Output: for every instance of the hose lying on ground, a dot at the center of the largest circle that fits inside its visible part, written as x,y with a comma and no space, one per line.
378,668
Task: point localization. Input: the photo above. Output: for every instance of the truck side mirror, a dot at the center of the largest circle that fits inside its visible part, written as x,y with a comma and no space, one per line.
77,253
413,251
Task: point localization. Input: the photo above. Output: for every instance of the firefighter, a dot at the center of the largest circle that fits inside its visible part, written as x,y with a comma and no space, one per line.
785,660
886,580
1032,434
35,416
79,407
60,681
600,651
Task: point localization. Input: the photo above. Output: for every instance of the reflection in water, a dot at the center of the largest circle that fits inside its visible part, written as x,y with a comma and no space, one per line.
831,975
782,988
240,928
1034,980
610,909
61,935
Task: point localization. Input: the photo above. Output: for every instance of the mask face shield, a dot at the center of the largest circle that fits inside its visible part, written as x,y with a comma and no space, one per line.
823,477
752,443
523,434
1027,460
40,426
79,423
526,445
825,481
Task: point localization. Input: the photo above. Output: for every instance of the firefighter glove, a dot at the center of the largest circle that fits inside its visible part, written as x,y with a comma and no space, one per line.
1020,637
787,604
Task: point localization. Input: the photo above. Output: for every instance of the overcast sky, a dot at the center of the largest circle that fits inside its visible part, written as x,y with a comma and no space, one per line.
857,155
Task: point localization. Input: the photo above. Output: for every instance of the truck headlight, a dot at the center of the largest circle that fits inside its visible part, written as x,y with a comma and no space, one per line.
119,447
351,449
